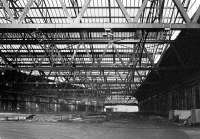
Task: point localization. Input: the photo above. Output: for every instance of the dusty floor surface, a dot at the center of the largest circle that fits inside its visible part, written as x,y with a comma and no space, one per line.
114,129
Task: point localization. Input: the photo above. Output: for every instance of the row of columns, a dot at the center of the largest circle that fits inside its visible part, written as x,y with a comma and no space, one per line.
33,104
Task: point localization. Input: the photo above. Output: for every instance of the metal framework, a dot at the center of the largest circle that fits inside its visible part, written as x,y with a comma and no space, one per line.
101,45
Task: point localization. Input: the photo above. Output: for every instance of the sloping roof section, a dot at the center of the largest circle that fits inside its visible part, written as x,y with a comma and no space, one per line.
182,60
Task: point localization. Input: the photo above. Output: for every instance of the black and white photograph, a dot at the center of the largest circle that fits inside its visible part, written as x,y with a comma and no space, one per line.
99,69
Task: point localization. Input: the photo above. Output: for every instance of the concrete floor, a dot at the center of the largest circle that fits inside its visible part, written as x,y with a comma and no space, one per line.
108,130
115,129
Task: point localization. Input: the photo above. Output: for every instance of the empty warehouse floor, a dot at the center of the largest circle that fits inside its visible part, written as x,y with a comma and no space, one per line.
107,130
135,127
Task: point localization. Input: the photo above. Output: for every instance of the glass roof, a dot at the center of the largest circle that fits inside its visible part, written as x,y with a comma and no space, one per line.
92,59
98,11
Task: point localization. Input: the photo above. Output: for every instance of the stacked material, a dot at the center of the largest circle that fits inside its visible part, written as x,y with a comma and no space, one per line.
46,118
55,117
97,118
13,117
88,118
67,117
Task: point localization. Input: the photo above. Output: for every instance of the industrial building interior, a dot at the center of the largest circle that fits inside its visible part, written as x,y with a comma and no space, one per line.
104,66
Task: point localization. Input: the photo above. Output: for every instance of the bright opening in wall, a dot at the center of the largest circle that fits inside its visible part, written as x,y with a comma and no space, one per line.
121,103
121,108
